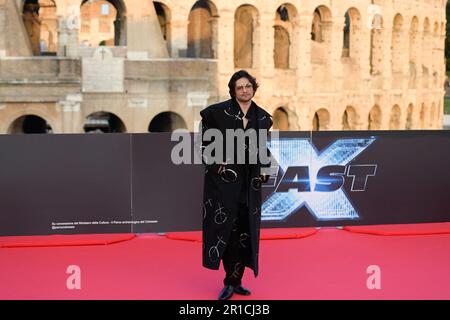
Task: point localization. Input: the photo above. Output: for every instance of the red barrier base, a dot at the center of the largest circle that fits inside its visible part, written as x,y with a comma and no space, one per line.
403,229
64,240
266,234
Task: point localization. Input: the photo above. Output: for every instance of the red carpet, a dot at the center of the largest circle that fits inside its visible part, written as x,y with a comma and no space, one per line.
331,264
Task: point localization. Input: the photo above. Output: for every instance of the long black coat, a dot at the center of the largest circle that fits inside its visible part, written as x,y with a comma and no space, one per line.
220,198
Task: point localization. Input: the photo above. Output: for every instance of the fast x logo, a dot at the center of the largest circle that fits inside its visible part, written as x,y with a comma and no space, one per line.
315,180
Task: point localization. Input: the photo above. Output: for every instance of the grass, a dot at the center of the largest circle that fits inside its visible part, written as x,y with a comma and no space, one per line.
447,106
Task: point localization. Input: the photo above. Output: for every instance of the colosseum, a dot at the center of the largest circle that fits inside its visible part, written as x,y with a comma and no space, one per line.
75,66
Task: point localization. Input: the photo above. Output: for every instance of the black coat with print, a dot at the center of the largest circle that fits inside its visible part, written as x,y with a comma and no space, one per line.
221,197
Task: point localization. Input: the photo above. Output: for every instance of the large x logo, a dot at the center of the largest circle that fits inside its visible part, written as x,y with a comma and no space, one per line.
299,152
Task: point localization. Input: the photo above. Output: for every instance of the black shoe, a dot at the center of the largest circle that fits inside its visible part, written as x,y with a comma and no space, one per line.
242,291
226,293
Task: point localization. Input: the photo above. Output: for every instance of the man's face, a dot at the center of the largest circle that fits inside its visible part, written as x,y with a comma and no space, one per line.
244,90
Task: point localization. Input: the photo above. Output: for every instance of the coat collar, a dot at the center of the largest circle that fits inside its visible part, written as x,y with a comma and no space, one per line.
257,117
236,108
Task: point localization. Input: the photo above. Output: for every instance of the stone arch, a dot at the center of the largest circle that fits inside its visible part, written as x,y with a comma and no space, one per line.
375,117
440,113
394,121
377,44
352,34
164,18
49,27
285,37
112,22
280,119
426,25
45,39
41,23
321,120
422,116
246,36
427,51
425,77
281,48
321,35
436,55
202,30
414,51
167,121
409,117
432,120
398,45
104,122
436,28
349,119
414,27
30,124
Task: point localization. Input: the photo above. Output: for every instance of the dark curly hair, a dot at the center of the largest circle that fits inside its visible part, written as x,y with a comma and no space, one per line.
238,75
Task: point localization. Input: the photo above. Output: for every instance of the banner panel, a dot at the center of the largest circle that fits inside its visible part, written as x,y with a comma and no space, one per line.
65,184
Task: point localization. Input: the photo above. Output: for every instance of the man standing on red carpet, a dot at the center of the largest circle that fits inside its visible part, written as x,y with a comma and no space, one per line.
232,184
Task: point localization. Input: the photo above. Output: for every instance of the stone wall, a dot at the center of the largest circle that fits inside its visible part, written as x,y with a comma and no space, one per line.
321,65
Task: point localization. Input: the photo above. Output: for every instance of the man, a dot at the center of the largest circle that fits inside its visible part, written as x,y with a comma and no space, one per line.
232,190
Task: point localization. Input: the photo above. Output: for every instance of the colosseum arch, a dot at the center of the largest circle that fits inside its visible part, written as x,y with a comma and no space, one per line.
436,28
409,117
246,37
202,30
399,47
375,117
110,15
49,27
427,50
280,119
432,120
427,30
48,42
436,55
321,35
440,113
349,119
281,48
377,39
285,37
423,116
352,35
414,51
164,18
425,77
30,124
395,117
104,122
321,120
41,24
167,122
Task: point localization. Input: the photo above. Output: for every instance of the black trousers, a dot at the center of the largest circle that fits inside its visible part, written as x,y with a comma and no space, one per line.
238,249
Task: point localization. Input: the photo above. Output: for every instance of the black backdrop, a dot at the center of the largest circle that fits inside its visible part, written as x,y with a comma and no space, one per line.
110,183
